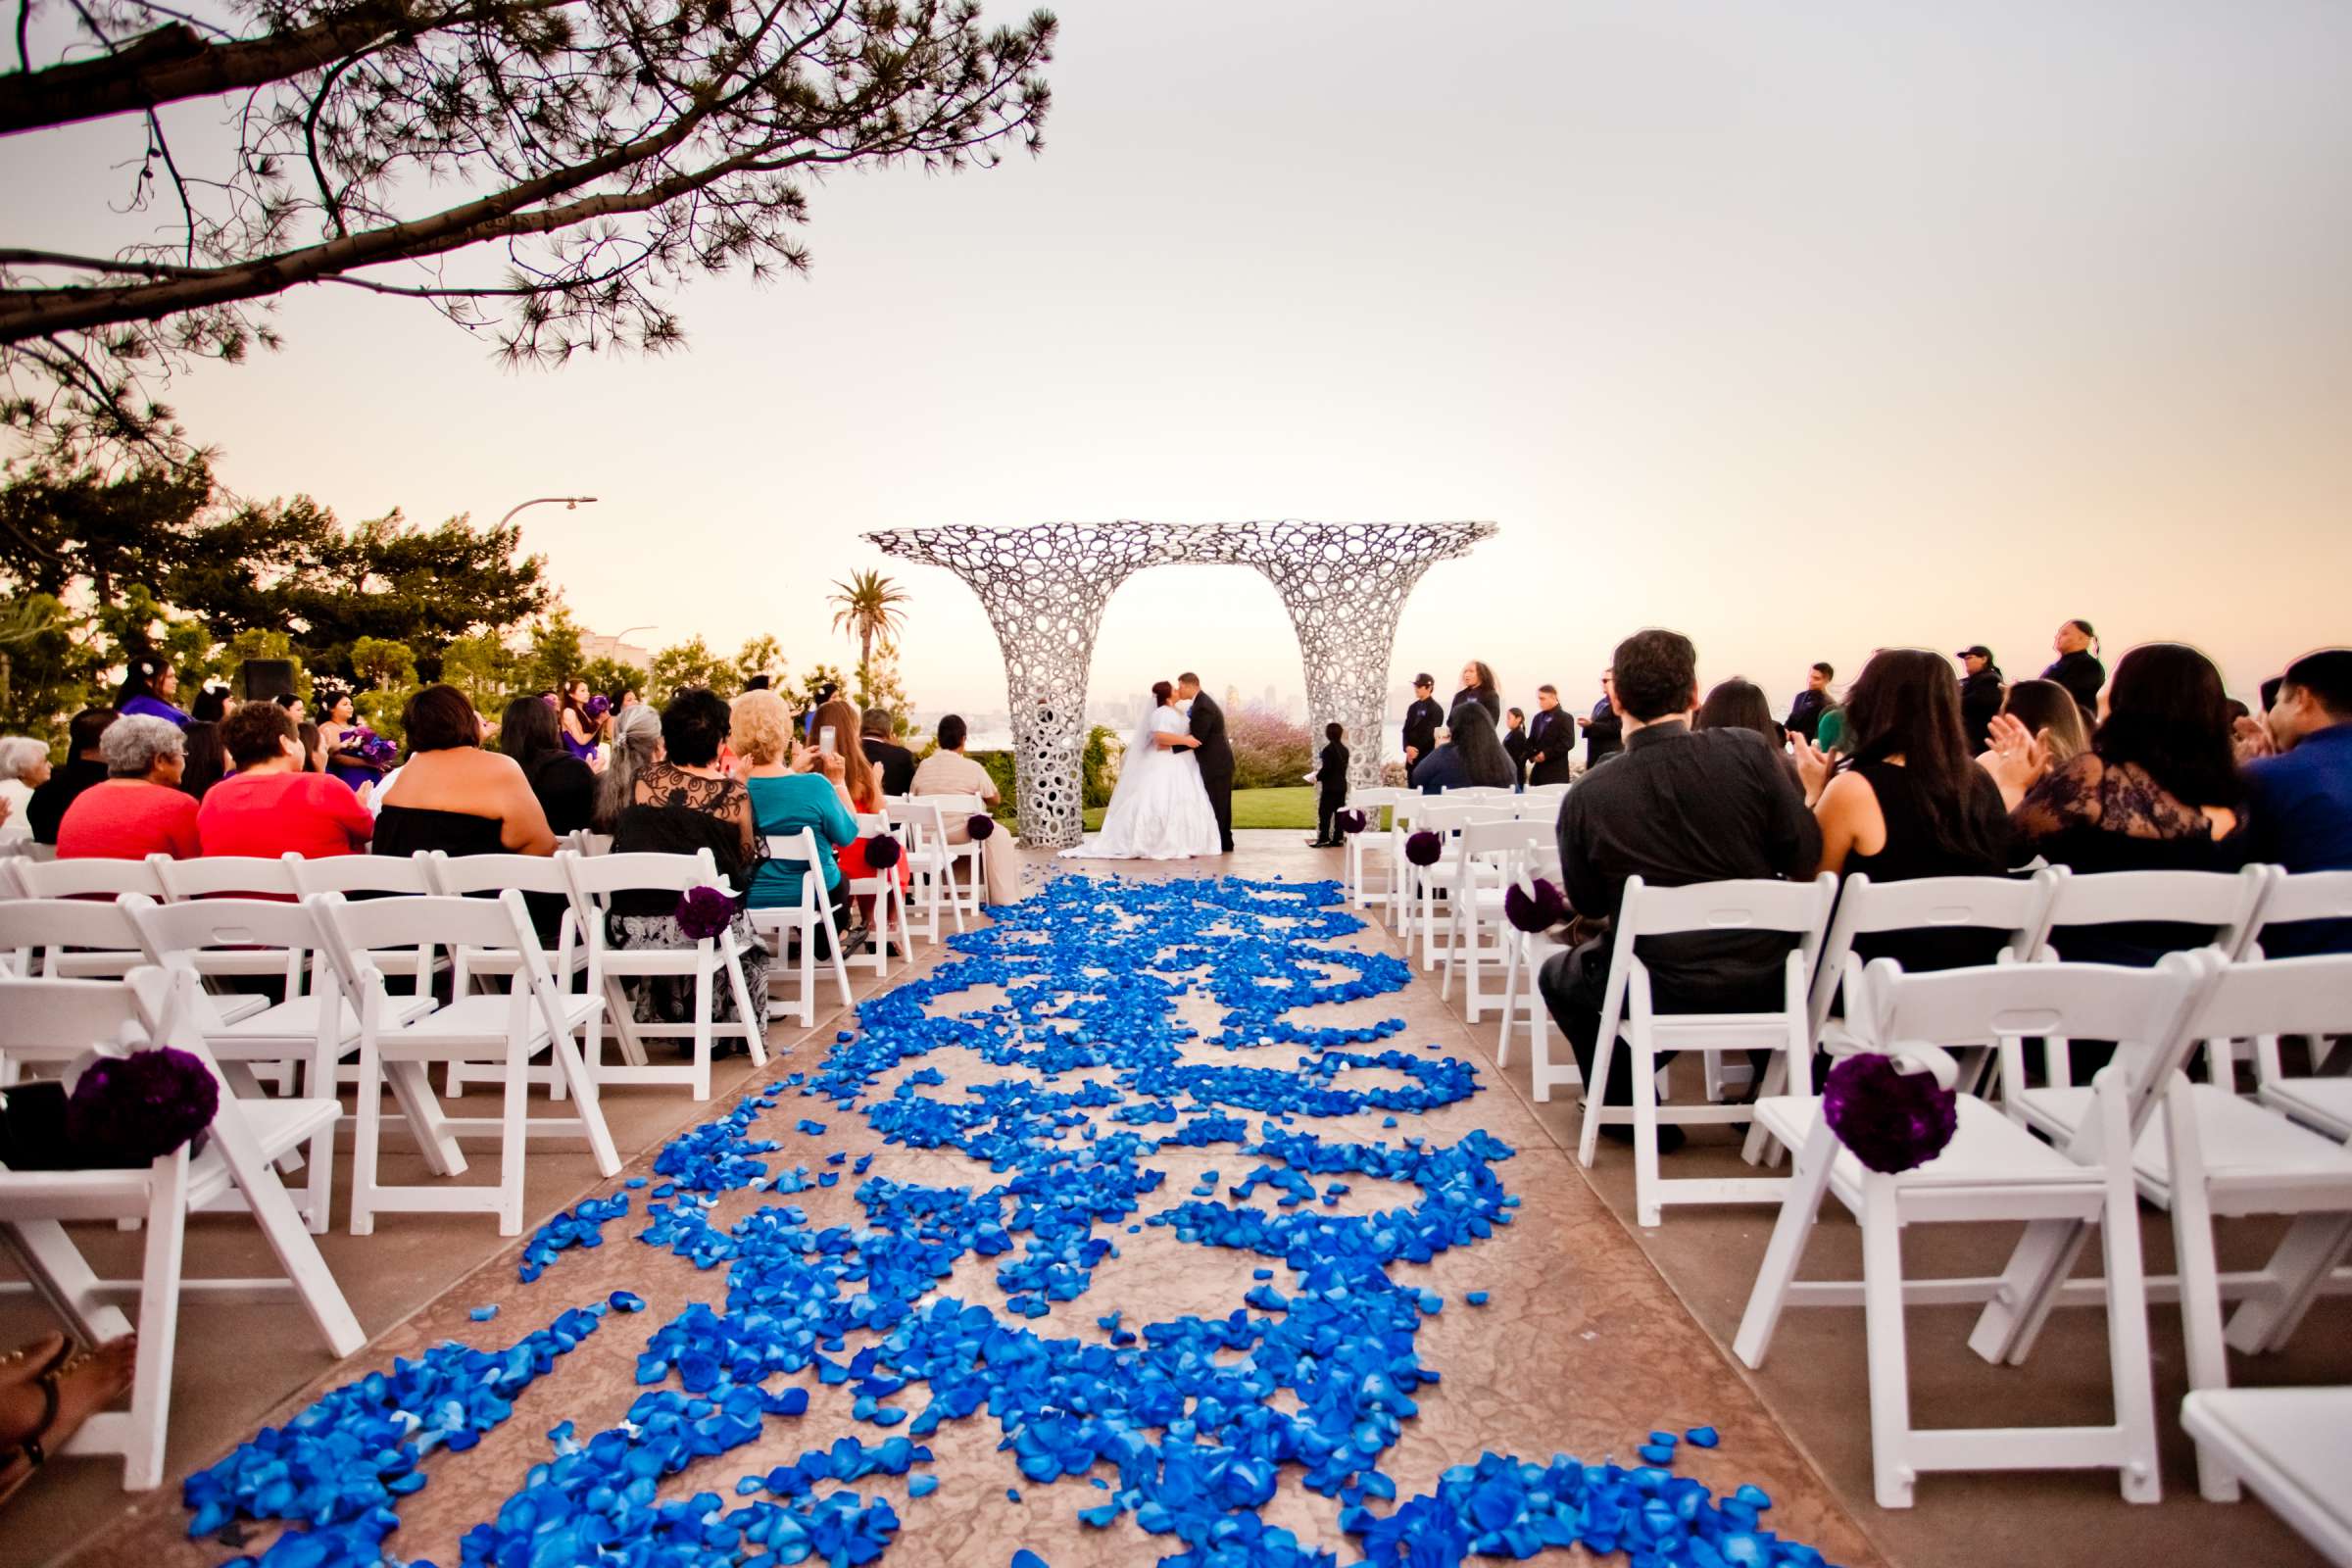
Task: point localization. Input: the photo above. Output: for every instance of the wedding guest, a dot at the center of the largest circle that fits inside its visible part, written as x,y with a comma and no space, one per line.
147,689
895,762
1907,801
790,791
1331,787
208,760
1679,807
2301,796
2049,714
2077,666
1478,686
138,809
1421,720
313,747
452,796
1470,757
1739,704
2157,790
1514,745
210,706
563,785
1604,730
85,765
24,768
1980,695
578,725
948,771
862,787
684,803
273,804
1551,739
636,746
1804,714
348,755
292,702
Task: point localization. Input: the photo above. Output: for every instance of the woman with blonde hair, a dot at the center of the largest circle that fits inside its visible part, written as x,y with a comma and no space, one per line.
792,788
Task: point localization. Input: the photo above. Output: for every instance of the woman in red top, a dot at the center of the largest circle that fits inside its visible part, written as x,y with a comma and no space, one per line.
139,809
861,786
271,805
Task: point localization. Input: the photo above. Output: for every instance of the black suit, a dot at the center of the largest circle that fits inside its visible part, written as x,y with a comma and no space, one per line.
1216,763
1549,741
2081,674
1421,721
895,762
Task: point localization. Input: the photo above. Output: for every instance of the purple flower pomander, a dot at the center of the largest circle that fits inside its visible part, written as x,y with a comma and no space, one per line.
598,706
1535,908
881,852
128,1111
703,913
369,747
1892,1120
1424,848
1350,821
981,826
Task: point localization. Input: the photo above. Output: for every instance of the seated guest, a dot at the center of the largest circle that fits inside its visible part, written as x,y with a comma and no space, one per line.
791,788
861,788
1441,769
1470,756
452,796
1738,704
1604,730
1331,787
2301,798
1679,807
895,762
948,771
138,810
1804,714
148,687
1515,743
563,785
85,765
684,803
24,768
208,759
1478,686
2049,714
2157,790
1907,801
271,805
636,746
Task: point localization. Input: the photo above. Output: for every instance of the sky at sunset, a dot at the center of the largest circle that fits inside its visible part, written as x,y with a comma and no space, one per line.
1803,330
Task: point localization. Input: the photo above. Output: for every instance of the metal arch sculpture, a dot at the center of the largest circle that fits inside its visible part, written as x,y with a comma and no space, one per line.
1044,587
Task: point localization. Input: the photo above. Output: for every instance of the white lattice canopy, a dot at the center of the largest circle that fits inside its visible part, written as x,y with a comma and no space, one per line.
1044,587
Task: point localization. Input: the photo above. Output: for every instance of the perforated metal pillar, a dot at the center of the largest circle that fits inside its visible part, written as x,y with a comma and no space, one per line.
1044,588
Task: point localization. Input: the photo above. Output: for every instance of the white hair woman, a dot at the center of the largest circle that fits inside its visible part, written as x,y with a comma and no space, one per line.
139,810
24,768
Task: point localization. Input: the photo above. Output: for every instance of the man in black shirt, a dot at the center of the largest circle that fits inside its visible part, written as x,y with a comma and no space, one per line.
1678,807
2077,666
1604,731
1804,714
1549,739
1421,720
1980,695
85,765
895,762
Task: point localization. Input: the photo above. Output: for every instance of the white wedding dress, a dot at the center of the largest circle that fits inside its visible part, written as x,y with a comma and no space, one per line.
1159,810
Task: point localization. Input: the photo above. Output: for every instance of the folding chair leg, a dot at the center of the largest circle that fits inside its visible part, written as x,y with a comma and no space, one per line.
584,1094
2306,1255
1891,1474
297,1256
702,1028
1758,1144
2040,1264
62,1279
159,1324
1646,1208
2128,1353
1595,1097
366,1138
415,1093
755,1033
514,1112
2200,1287
1769,1297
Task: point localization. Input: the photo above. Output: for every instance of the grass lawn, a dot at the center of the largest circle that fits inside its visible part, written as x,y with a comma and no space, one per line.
1292,806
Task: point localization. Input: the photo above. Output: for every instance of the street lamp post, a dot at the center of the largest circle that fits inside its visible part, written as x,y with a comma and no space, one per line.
570,504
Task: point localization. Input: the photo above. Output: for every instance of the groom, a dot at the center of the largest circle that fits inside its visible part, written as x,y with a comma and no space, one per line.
1215,756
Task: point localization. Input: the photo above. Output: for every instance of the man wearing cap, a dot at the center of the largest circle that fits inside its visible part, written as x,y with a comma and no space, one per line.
1421,720
1980,695
895,762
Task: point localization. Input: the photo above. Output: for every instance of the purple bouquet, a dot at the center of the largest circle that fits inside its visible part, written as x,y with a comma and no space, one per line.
981,826
1424,848
1350,821
598,706
703,913
369,747
1892,1120
881,852
128,1111
1534,909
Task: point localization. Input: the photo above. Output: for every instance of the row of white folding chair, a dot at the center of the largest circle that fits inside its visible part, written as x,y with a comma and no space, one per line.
784,926
1430,886
1371,850
946,872
1488,858
50,1022
889,922
1991,1170
595,882
1525,953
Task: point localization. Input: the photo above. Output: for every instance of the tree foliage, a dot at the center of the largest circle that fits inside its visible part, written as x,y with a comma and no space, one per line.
689,664
545,172
867,608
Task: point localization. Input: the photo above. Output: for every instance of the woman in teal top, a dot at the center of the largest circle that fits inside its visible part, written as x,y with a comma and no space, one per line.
784,802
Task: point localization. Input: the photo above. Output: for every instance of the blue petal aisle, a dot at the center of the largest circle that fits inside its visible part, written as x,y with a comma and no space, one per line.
1182,1429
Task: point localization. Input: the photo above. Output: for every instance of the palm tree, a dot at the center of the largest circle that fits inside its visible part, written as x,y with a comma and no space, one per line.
869,610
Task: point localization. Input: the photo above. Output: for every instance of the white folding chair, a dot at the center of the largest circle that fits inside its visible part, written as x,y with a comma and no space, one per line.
10,887
966,877
44,1017
1525,953
922,833
2211,1156
356,877
1406,809
890,899
1798,909
596,879
85,939
232,876
1487,857
1449,878
474,875
1368,851
2324,1102
509,1028
806,920
90,878
2288,1445
2014,908
1991,1170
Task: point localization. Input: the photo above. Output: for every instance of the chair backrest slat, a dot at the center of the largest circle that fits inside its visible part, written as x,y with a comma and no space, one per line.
186,929
2017,906
55,925
2278,997
363,873
2221,900
465,874
57,1020
600,876
91,879
2309,896
234,876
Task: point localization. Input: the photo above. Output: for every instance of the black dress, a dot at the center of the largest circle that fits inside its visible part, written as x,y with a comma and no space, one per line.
565,788
1912,849
413,829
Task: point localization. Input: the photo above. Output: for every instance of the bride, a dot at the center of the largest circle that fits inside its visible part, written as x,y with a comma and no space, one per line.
1159,809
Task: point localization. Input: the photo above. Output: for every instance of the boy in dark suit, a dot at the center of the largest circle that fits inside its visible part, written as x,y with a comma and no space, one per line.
1331,788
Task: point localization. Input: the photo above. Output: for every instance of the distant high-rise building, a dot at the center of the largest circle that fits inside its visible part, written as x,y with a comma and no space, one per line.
595,645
